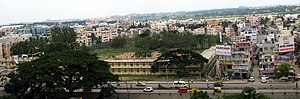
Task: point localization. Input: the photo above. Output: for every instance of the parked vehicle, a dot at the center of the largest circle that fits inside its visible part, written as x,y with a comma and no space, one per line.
140,84
182,90
179,84
264,76
264,80
148,89
251,79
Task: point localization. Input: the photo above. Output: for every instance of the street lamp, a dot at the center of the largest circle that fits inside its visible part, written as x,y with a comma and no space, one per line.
166,60
272,89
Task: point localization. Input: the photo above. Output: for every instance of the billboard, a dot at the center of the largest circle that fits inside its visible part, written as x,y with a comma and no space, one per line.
223,50
286,44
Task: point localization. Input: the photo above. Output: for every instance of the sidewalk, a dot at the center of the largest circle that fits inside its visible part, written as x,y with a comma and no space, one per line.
194,82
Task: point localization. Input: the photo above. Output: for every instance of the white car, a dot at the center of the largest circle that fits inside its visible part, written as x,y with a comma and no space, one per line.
140,84
263,80
148,89
251,79
264,76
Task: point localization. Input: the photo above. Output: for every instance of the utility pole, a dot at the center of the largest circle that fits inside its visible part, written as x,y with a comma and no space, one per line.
127,90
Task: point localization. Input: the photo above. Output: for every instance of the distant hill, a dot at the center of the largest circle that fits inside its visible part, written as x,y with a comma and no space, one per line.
278,9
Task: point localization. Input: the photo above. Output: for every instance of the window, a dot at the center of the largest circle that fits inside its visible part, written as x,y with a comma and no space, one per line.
265,48
144,64
131,64
229,67
244,61
119,64
125,64
137,64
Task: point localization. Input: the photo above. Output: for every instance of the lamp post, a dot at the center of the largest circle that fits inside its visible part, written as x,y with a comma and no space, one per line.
167,74
167,60
272,89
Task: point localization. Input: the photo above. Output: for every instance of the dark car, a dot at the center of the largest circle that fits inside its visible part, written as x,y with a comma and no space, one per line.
218,84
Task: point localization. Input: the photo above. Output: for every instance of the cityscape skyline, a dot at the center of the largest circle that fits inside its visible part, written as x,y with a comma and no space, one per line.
17,11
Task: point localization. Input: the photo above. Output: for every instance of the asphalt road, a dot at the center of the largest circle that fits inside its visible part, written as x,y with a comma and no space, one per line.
257,85
209,91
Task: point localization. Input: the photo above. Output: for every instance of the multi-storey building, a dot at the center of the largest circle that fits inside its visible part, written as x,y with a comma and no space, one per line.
237,63
266,57
241,59
284,52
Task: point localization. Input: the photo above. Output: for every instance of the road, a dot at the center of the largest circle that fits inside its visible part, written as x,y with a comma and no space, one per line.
226,86
209,91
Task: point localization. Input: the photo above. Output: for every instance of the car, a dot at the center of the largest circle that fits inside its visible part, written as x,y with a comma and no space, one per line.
182,90
217,90
264,80
148,89
140,84
264,76
194,90
251,79
218,84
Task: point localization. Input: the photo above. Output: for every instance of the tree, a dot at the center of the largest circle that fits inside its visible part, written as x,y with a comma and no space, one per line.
66,35
235,27
282,70
71,70
179,40
29,47
180,58
200,95
145,33
247,93
147,43
118,42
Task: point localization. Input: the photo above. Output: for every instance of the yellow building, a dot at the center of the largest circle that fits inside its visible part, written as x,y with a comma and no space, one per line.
133,66
130,66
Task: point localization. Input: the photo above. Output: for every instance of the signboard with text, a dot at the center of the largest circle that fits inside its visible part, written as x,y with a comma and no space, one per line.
286,44
223,50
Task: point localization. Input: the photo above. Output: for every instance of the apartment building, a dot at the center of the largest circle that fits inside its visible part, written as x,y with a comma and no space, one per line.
266,56
130,66
241,59
234,61
249,34
285,47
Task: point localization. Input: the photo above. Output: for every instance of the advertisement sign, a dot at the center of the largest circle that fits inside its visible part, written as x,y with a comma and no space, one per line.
286,44
223,50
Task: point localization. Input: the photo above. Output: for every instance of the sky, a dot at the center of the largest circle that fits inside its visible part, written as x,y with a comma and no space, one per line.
16,11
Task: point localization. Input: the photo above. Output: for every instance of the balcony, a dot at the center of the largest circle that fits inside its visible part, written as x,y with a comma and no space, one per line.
241,52
240,59
241,63
225,63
